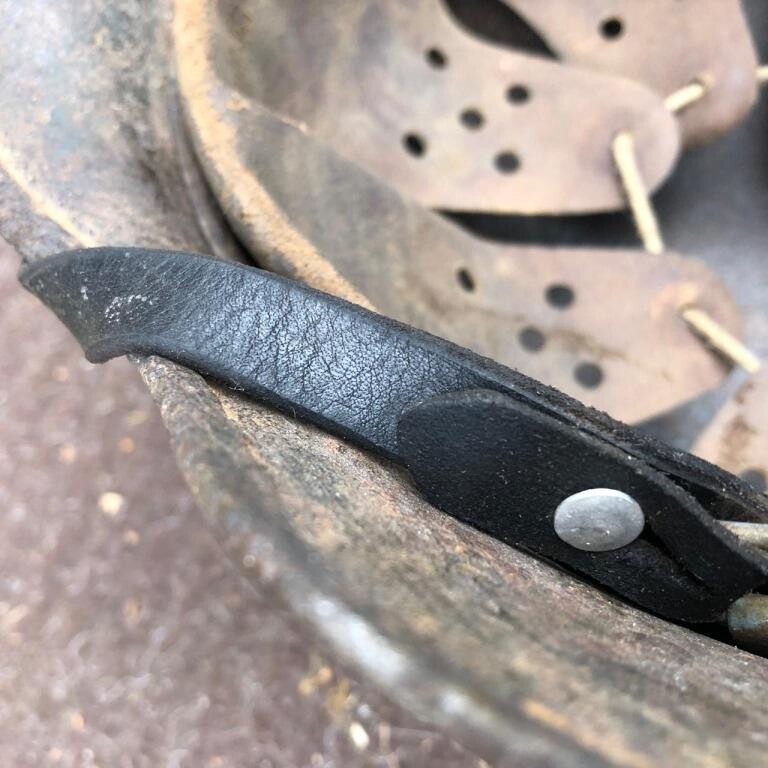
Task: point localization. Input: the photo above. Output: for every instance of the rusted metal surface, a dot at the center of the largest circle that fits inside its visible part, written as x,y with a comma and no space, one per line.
737,438
126,639
665,44
463,624
528,665
419,268
449,120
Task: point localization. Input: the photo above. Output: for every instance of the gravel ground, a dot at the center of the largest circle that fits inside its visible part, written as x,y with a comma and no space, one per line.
125,637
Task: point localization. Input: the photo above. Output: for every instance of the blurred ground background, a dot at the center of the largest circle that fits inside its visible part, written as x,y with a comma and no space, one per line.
126,639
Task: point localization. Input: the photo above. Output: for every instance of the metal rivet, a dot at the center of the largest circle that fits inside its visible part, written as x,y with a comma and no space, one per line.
755,534
748,622
599,520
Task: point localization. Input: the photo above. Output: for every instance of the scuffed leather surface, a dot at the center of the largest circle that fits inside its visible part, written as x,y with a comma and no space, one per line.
355,373
504,468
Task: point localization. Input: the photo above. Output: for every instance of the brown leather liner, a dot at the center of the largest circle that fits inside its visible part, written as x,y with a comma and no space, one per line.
449,120
665,44
621,312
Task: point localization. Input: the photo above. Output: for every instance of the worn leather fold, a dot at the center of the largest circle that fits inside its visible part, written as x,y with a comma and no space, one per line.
359,374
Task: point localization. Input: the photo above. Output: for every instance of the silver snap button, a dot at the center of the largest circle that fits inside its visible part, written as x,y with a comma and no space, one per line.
599,520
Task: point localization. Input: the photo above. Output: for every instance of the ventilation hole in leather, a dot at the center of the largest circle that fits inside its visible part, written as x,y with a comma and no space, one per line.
560,296
507,162
756,478
532,339
466,281
495,21
518,94
415,145
612,29
472,118
589,375
436,58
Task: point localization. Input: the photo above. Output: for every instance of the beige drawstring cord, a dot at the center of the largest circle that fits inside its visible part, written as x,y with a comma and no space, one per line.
685,96
639,202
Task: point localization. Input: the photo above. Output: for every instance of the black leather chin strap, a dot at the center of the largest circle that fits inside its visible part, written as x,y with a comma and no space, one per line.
483,442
